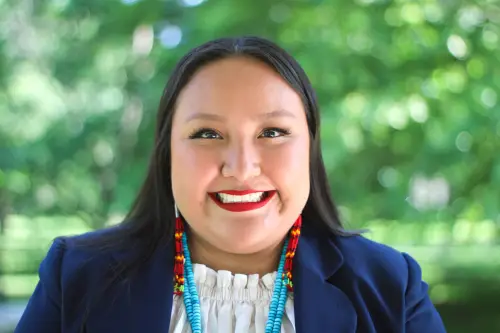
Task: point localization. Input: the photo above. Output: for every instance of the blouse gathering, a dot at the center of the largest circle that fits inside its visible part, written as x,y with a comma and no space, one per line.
230,303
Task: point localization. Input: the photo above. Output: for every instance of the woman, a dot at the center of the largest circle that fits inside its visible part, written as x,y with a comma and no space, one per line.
257,245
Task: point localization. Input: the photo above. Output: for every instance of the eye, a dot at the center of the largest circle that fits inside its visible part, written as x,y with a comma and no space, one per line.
274,132
206,134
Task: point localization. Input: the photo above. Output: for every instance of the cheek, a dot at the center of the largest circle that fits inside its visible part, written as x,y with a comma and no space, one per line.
288,168
193,169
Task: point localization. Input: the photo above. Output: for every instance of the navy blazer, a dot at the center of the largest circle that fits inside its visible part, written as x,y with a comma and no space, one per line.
341,285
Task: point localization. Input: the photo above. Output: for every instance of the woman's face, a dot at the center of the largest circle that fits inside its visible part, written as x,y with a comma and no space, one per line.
239,128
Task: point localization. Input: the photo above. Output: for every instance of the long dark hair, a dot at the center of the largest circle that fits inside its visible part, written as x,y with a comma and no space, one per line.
150,222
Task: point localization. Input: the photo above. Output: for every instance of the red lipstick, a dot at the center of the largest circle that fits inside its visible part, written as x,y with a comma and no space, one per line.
242,206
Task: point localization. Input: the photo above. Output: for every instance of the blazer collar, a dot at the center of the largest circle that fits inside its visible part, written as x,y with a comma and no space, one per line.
319,305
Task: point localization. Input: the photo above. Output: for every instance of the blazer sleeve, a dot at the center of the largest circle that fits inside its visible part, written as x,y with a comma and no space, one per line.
43,312
421,315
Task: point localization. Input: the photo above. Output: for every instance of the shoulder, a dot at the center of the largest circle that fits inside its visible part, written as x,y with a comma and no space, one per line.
382,270
74,271
77,260
366,256
369,260
381,273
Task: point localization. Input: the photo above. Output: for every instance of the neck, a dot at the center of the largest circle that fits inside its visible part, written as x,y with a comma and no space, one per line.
262,262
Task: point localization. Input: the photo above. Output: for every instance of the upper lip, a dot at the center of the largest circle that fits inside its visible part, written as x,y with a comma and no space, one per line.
239,192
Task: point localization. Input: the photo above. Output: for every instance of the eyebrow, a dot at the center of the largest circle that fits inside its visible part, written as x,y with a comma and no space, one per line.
215,117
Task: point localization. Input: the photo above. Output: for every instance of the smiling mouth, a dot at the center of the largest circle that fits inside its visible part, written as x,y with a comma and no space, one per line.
241,201
251,197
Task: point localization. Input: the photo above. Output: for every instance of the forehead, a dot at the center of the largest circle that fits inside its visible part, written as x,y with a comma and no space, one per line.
238,84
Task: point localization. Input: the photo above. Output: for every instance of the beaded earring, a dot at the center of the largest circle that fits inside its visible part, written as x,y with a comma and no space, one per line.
179,255
290,253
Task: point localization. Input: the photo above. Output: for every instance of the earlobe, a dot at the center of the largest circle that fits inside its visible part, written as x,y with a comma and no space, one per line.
177,215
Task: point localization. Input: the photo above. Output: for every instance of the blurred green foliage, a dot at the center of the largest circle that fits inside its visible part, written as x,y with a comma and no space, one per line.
410,110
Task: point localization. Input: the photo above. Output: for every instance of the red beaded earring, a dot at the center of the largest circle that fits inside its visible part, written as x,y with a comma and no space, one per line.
179,255
293,241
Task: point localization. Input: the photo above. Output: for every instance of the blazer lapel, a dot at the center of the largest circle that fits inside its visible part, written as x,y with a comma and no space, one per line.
319,306
143,304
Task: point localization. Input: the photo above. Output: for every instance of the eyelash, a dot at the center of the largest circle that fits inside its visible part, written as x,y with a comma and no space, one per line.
198,134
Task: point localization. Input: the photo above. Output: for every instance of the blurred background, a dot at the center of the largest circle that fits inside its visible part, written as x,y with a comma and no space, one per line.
411,124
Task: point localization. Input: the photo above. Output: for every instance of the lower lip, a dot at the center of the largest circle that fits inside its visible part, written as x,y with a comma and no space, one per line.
242,206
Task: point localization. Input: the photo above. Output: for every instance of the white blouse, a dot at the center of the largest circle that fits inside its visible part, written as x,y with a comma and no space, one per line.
231,303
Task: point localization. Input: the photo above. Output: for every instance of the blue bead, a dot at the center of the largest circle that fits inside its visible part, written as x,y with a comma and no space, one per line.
281,309
191,299
277,293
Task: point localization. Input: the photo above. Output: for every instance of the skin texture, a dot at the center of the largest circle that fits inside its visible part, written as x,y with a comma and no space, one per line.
254,135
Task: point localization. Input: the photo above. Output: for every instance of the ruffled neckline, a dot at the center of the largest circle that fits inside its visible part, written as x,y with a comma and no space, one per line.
224,285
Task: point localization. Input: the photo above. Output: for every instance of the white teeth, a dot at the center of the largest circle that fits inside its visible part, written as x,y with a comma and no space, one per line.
229,198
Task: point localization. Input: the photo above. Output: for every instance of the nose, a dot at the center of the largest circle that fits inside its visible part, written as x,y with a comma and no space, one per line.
241,162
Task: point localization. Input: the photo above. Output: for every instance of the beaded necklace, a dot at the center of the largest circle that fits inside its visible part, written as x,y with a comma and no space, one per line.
184,278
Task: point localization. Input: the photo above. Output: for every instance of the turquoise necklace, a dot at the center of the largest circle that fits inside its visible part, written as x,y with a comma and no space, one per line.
185,283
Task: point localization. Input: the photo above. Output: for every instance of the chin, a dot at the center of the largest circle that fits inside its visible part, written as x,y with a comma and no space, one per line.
242,243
